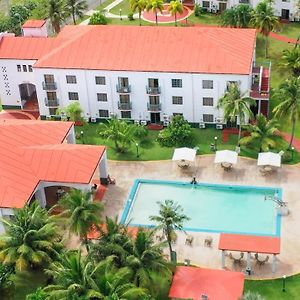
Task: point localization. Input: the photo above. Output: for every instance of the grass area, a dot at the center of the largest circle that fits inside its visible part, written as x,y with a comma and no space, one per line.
124,6
104,4
150,149
291,30
205,18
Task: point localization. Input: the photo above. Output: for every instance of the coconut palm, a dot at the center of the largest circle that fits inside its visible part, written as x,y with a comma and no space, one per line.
31,239
263,133
237,16
145,258
170,218
174,8
80,212
76,8
139,6
264,19
291,60
235,104
156,6
75,276
56,13
289,106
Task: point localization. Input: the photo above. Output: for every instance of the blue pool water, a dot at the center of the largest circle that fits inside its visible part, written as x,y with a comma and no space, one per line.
210,207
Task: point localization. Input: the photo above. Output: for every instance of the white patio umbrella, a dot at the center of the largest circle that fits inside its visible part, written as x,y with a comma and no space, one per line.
226,156
269,159
182,154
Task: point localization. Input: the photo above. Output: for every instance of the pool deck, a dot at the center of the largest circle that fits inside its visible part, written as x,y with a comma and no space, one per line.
245,172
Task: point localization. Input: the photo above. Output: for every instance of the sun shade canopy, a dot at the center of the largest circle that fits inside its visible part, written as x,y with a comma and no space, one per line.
184,154
226,156
269,159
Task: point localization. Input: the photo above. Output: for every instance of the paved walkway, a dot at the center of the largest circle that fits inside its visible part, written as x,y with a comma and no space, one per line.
245,173
296,141
283,38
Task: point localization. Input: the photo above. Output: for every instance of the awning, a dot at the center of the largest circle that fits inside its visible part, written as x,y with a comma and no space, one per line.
226,156
269,159
184,154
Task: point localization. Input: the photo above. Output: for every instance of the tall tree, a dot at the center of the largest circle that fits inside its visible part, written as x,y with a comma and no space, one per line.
139,6
80,212
236,105
145,258
291,60
56,13
76,8
262,133
31,239
174,8
289,106
170,218
237,16
264,19
156,6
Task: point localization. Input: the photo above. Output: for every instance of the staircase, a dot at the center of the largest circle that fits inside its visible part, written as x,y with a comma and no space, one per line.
265,81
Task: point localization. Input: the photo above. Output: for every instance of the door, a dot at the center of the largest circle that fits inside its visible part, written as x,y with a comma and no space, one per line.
153,82
285,14
222,7
155,118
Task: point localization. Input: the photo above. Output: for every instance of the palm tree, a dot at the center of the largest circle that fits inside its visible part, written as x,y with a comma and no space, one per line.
237,16
174,8
138,5
170,218
291,60
56,13
265,21
31,239
263,133
289,107
80,212
234,104
156,6
75,276
146,258
76,8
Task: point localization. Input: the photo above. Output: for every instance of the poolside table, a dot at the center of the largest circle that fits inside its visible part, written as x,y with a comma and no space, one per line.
249,244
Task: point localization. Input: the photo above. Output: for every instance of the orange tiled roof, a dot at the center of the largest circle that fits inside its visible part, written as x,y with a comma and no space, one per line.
32,151
34,23
147,48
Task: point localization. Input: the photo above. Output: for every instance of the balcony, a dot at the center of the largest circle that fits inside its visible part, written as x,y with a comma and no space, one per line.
123,89
154,107
51,103
124,106
151,90
50,86
244,1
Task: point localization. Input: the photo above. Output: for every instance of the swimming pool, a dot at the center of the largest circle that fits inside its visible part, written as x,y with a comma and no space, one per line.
210,207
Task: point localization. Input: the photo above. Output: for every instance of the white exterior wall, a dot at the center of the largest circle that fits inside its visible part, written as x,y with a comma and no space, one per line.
10,79
36,32
87,89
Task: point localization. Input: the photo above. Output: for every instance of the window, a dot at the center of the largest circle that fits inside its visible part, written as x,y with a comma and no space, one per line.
123,81
30,68
126,114
100,80
24,68
52,111
103,113
177,100
205,4
19,68
208,101
73,96
49,78
208,118
207,84
177,83
51,96
71,79
102,97
124,98
154,99
177,114
153,82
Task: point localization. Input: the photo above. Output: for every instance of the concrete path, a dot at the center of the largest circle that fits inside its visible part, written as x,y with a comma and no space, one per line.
296,141
283,38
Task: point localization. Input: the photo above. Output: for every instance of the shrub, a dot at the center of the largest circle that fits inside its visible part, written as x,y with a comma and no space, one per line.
178,133
141,132
98,18
73,111
130,16
6,284
39,294
287,156
198,10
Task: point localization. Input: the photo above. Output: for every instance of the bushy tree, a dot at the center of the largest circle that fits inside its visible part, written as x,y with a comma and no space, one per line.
73,111
178,133
98,18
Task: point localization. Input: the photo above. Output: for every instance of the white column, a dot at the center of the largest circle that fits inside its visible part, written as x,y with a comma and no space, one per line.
40,196
103,169
259,106
223,259
274,264
248,260
2,228
71,136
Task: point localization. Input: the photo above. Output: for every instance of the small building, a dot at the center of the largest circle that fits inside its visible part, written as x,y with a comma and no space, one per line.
206,284
39,158
35,28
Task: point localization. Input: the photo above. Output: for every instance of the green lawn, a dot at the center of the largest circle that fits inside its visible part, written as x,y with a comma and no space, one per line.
124,6
291,30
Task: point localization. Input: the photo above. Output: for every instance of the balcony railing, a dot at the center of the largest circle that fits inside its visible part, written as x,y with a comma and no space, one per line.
124,106
123,89
49,86
51,103
244,1
154,107
153,90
